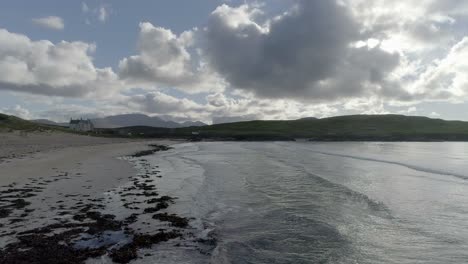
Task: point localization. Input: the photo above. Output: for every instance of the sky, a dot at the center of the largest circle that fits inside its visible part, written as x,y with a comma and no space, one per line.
223,61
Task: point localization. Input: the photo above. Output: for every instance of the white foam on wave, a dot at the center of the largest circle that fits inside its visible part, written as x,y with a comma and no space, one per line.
182,178
407,165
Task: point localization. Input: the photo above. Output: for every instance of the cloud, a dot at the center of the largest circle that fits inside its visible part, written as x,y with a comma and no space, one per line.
408,26
223,107
219,107
454,7
445,79
84,7
103,14
315,58
61,69
430,40
64,112
50,22
163,104
164,59
18,111
305,53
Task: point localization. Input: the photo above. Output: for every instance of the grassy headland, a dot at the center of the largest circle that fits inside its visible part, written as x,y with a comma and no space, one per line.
341,128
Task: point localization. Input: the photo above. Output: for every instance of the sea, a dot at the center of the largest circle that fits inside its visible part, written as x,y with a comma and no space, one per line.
310,202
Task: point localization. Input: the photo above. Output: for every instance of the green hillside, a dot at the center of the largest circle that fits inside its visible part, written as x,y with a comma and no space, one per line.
341,128
357,127
8,122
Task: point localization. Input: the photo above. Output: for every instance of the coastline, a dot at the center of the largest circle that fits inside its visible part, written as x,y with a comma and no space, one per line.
80,200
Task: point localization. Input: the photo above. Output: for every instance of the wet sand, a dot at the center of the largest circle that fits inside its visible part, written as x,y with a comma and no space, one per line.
77,200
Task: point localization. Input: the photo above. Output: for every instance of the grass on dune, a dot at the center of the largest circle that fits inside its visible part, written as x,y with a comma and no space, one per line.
9,123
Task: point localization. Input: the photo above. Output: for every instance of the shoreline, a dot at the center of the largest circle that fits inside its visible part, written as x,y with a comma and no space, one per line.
63,203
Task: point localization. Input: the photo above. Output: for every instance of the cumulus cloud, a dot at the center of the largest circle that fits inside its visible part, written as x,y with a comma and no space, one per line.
315,58
409,26
225,107
18,111
219,107
42,67
452,7
161,103
427,36
50,22
167,106
328,51
63,112
100,13
445,79
305,53
164,60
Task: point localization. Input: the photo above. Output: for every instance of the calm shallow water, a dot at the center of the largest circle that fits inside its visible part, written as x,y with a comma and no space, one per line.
319,202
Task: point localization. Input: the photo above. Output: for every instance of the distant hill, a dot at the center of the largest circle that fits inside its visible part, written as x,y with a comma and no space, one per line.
48,122
139,120
308,118
355,127
128,120
345,128
131,120
192,124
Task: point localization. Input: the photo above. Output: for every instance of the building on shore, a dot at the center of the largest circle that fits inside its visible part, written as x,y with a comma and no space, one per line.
81,125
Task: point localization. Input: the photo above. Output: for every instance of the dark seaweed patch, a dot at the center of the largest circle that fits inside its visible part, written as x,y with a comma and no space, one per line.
154,148
175,220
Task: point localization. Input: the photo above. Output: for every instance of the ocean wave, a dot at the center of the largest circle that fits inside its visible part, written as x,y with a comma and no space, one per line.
337,190
409,166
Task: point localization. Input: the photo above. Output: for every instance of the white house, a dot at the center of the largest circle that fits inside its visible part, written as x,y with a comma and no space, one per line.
81,125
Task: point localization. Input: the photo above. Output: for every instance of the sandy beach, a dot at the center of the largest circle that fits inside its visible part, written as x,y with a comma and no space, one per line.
40,156
51,182
16,145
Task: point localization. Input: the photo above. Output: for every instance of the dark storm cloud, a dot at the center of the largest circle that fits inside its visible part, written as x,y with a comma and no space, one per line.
44,89
306,53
